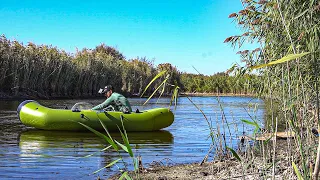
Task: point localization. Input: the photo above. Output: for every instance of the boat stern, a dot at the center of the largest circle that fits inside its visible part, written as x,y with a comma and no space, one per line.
31,113
21,105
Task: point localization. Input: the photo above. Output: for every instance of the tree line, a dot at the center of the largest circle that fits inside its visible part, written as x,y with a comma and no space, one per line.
44,71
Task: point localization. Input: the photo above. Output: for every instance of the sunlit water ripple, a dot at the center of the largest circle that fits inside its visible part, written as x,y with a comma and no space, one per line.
35,154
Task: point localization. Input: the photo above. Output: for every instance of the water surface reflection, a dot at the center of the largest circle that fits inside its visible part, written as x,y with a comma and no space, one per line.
35,154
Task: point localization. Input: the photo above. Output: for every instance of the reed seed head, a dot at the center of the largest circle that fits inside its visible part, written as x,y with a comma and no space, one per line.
262,2
300,36
233,15
253,8
245,52
317,7
256,50
256,22
245,34
244,12
228,39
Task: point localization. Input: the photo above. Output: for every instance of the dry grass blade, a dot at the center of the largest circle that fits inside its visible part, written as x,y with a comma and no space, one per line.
204,115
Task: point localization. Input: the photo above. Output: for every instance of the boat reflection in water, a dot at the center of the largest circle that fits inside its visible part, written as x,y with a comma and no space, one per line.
34,143
58,153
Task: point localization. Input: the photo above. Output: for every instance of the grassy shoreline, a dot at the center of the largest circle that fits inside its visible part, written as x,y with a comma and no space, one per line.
25,95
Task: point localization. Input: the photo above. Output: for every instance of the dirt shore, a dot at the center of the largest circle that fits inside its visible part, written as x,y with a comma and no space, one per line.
253,165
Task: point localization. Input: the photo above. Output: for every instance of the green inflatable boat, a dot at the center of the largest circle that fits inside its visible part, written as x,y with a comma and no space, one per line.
32,114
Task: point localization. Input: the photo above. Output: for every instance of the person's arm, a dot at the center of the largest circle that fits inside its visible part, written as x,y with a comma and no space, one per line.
104,104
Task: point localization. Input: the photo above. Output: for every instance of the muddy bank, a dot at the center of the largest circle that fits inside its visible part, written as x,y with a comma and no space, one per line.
253,165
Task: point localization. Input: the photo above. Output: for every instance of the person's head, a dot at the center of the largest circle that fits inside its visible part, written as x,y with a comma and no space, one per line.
107,91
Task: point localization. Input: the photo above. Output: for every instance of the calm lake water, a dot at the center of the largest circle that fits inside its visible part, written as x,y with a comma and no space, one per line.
35,154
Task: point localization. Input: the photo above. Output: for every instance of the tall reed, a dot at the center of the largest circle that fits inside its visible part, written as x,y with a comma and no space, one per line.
288,31
44,71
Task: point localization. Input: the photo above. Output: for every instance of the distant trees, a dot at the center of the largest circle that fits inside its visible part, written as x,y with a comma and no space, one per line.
220,83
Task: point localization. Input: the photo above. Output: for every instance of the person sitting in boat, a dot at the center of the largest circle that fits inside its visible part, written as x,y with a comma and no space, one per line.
114,101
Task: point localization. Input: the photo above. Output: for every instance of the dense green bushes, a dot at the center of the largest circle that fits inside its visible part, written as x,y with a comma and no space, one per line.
220,83
45,71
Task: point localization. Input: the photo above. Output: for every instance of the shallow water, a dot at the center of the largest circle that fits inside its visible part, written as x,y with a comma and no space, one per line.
29,153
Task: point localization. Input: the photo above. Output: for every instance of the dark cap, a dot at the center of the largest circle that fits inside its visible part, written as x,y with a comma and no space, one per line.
105,89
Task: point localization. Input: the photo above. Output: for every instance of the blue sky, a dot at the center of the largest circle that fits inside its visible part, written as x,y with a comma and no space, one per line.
184,33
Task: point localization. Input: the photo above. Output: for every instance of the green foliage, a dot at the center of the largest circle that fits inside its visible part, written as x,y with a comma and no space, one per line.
287,63
252,123
220,83
108,139
175,95
104,149
125,139
234,153
109,165
125,175
282,60
45,71
296,170
113,143
155,78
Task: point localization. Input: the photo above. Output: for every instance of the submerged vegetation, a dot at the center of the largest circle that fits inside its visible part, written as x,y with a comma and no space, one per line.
43,71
